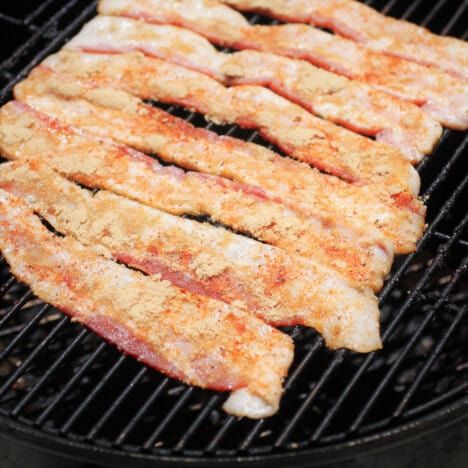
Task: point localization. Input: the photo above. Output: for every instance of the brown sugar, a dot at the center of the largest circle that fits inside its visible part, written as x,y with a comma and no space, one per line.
207,266
112,98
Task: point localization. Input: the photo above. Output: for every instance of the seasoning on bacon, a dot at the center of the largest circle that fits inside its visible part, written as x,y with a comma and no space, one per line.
264,280
441,95
294,130
363,24
97,162
354,105
398,214
190,337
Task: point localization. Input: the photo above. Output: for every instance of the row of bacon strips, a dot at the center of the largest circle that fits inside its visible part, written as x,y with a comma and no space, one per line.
363,24
329,216
436,92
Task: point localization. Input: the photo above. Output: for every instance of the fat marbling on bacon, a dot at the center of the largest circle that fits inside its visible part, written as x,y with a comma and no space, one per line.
96,162
264,280
363,24
111,112
442,96
294,130
355,105
193,338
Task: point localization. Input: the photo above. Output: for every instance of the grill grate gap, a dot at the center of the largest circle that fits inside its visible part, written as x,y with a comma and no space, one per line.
347,391
199,120
410,343
429,363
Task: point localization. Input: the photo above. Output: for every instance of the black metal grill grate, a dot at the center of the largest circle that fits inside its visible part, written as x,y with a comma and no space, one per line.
61,381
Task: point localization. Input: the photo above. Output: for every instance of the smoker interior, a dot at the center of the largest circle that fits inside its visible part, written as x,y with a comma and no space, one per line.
64,389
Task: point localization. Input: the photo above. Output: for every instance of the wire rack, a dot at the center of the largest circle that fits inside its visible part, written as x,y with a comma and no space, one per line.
61,383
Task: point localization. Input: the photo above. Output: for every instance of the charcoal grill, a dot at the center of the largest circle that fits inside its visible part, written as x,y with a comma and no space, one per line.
68,393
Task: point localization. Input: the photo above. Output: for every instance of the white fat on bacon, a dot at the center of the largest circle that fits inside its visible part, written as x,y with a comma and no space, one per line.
399,216
441,95
363,24
314,141
357,106
242,402
280,289
96,162
190,337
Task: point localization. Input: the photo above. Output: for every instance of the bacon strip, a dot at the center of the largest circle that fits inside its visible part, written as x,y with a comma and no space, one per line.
97,162
113,113
440,95
367,26
298,133
354,105
193,338
202,259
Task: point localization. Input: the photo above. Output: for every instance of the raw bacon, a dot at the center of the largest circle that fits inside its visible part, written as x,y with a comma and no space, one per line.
189,337
367,26
299,134
440,95
113,113
354,105
97,162
202,259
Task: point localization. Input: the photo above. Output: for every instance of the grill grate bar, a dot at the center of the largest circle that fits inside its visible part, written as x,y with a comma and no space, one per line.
432,13
16,307
446,237
437,261
69,385
204,413
427,159
97,389
10,331
329,371
460,11
142,411
230,420
14,58
6,75
447,396
116,403
45,51
214,442
254,431
190,117
31,324
45,377
7,285
254,19
385,381
11,19
428,234
430,361
149,443
39,10
27,362
446,170
246,443
389,6
411,9
331,413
